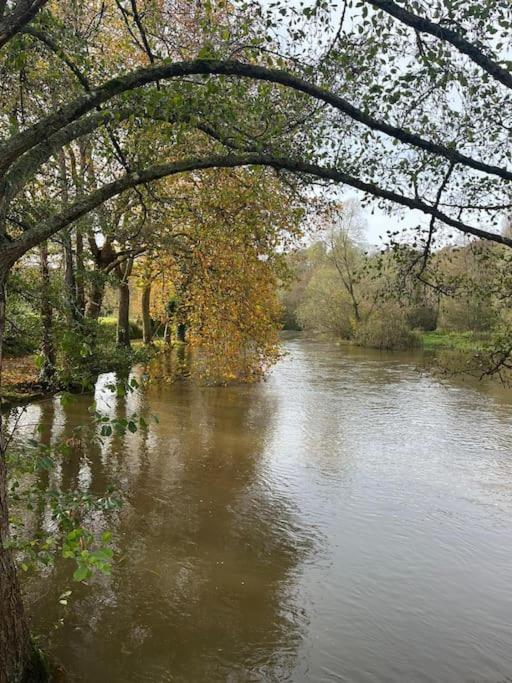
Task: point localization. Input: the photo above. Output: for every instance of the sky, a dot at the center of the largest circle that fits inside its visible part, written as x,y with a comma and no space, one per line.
378,221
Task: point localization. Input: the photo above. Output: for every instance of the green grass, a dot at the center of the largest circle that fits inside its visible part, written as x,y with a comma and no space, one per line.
109,325
461,341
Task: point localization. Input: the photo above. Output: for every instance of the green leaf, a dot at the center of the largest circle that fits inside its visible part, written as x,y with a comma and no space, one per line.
81,573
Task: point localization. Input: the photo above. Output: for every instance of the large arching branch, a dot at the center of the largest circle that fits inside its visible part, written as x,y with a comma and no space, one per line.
29,163
90,202
26,140
423,25
22,14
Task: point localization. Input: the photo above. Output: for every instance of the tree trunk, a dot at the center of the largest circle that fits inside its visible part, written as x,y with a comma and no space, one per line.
18,659
69,279
95,299
69,268
147,328
80,275
167,332
47,372
355,306
123,315
16,652
181,332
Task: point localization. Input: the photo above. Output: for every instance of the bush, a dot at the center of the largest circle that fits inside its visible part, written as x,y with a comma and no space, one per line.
458,315
387,329
108,327
289,320
326,307
422,317
23,331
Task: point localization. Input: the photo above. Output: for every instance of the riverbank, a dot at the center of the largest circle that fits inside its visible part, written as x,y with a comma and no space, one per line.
19,380
20,383
456,341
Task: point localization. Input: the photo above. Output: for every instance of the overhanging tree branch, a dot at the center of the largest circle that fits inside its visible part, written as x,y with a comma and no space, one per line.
82,206
53,46
22,14
24,141
423,25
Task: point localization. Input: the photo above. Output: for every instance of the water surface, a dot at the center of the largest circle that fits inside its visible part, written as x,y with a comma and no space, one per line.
347,520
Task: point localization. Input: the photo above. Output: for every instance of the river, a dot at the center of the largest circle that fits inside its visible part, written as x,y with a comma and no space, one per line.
349,519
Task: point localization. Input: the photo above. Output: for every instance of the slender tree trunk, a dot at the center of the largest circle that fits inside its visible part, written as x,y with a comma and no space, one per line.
147,328
355,306
123,315
47,373
95,299
167,332
69,265
18,659
181,332
80,275
69,279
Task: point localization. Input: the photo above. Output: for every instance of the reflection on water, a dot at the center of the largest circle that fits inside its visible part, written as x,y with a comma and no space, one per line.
347,520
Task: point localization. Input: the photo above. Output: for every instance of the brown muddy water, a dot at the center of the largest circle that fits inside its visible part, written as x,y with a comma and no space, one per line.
350,519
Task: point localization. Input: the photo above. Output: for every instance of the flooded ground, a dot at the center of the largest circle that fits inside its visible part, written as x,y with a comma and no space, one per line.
350,519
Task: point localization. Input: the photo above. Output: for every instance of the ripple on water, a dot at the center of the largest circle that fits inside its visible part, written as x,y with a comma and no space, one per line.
347,520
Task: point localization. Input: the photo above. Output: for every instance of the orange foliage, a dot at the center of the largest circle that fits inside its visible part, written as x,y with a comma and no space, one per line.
225,275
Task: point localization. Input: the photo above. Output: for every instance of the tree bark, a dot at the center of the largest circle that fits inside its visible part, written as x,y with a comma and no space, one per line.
147,327
67,242
95,299
47,373
181,332
103,256
167,332
123,316
19,662
80,275
16,652
69,277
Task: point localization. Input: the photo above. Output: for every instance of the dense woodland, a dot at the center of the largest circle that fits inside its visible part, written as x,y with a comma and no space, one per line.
163,159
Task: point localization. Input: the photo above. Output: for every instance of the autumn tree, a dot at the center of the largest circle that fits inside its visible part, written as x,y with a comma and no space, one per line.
220,266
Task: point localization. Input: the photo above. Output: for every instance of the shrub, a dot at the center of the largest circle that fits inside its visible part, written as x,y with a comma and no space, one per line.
23,331
422,317
326,307
108,327
387,329
458,314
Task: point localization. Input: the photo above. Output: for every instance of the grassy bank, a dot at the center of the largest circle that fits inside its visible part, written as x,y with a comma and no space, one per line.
459,341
